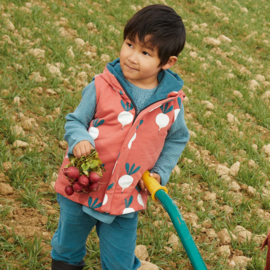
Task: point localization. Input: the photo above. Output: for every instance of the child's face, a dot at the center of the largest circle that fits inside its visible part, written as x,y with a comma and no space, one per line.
140,63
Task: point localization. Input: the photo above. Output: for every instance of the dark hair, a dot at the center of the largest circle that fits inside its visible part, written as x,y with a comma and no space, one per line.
163,25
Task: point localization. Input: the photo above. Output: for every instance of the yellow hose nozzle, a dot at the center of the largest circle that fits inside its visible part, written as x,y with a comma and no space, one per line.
152,185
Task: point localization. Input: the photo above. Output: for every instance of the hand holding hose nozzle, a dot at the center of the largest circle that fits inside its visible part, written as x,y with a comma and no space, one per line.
159,193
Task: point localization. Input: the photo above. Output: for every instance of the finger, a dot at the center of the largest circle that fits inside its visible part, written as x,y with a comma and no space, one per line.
87,150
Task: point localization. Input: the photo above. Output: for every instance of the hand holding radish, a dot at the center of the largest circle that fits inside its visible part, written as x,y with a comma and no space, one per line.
141,183
83,148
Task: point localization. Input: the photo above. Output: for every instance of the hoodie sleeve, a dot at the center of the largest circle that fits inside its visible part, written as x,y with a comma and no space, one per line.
77,123
174,145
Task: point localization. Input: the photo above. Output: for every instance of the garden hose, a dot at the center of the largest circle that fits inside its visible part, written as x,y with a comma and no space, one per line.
159,193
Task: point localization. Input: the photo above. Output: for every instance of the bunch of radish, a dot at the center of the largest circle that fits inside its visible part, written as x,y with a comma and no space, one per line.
83,173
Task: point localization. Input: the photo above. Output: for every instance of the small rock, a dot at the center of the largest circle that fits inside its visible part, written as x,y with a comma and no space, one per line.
242,234
105,58
38,53
251,163
260,78
6,189
225,237
63,145
20,144
50,92
237,94
241,261
266,95
253,85
234,186
232,119
254,146
17,130
235,168
10,26
192,134
211,234
54,70
176,170
251,191
208,104
191,217
224,251
91,26
259,238
52,212
168,250
186,188
193,55
222,170
211,41
224,39
142,253
7,166
148,266
208,196
266,149
80,42
207,114
70,52
244,10
227,209
173,241
35,76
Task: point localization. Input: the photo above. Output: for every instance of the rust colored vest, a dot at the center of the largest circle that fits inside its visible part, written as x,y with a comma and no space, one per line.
128,145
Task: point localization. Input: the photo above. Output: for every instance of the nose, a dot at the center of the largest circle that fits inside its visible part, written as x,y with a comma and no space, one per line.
133,57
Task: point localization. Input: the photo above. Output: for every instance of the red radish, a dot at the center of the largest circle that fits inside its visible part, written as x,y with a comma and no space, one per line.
83,180
86,189
77,187
72,181
73,172
69,190
94,177
94,186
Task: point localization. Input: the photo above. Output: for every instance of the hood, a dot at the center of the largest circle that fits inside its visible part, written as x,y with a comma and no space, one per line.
168,81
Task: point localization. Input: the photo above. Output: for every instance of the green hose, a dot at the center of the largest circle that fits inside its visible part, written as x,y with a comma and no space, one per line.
182,230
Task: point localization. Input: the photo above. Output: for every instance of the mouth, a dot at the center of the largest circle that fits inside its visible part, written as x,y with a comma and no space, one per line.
130,68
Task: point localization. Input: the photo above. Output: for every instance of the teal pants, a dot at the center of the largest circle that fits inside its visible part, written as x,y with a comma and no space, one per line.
117,240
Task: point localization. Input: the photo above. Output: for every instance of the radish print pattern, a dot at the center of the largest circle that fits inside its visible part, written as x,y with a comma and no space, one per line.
128,209
134,136
125,117
93,205
93,131
163,119
106,196
126,180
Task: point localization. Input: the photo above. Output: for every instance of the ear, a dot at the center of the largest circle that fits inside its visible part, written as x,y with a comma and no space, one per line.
172,60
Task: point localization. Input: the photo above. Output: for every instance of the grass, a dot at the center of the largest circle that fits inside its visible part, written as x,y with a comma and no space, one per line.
32,168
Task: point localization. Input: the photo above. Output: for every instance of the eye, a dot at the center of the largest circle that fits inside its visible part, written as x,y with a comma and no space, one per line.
145,53
129,45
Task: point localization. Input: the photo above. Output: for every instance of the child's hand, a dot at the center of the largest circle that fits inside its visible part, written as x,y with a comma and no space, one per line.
141,183
83,148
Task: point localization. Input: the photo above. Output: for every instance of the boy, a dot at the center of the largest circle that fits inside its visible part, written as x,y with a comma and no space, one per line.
133,115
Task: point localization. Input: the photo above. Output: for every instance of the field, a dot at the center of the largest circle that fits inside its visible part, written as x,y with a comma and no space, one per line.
51,49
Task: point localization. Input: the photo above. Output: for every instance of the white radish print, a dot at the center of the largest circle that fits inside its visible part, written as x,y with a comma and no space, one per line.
128,209
105,199
93,131
126,180
140,200
162,119
125,117
176,111
134,136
